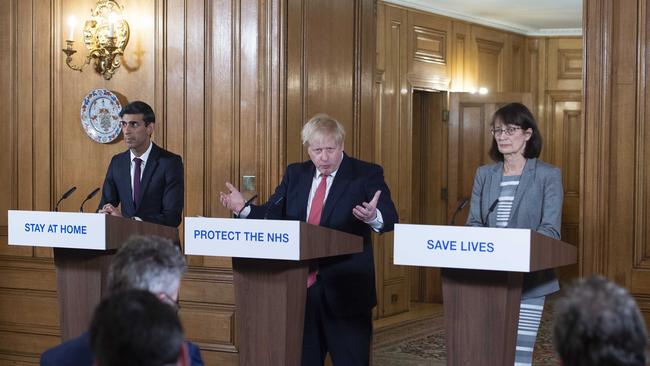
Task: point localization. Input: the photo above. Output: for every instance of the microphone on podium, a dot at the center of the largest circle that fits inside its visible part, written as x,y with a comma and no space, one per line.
90,195
275,204
64,196
460,207
492,206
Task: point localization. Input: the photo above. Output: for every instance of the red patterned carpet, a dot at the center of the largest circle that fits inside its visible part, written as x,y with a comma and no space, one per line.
422,342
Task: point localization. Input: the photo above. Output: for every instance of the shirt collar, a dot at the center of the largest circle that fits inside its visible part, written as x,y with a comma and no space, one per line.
333,174
144,156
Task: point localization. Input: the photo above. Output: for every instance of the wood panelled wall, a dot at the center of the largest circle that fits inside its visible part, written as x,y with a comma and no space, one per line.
615,163
428,52
556,64
231,83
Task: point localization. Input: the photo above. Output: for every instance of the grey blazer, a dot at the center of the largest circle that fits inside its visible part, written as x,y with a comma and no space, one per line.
537,206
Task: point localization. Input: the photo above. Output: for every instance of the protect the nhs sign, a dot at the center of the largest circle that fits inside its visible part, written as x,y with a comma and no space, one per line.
462,247
57,229
242,238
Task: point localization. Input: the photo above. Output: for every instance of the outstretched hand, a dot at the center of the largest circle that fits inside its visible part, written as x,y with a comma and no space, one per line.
234,201
367,211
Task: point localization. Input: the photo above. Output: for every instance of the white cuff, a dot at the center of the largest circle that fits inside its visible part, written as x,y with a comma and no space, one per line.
378,223
244,212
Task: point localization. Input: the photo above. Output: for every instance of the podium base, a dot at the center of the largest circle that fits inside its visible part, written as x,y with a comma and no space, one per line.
481,312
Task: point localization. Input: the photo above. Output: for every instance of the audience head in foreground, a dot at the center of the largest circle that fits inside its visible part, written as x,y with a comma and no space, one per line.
148,263
598,323
134,328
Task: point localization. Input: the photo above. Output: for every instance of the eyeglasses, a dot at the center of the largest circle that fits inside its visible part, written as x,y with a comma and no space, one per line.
509,131
170,301
132,124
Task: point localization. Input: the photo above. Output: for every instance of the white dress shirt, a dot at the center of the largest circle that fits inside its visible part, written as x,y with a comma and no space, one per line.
142,157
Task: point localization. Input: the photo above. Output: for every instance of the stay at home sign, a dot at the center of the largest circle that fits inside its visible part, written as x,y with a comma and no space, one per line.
57,229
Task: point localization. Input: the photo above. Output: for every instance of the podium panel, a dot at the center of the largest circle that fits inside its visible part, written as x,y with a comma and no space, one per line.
83,244
462,247
57,229
270,260
482,277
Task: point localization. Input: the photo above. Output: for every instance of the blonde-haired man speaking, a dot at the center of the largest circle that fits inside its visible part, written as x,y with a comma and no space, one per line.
342,193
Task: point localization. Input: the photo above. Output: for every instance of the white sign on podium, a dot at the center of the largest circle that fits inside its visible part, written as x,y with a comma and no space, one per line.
242,238
462,247
57,229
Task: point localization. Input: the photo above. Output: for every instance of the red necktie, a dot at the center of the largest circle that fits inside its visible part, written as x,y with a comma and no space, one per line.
317,202
315,213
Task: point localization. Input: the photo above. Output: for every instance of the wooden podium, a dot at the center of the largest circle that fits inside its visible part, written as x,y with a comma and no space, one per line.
270,260
482,276
83,245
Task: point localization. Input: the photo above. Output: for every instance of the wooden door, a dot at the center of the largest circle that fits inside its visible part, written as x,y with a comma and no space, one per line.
470,140
562,131
429,167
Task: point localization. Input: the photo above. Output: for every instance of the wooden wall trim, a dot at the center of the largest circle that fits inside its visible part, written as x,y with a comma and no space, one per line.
273,156
598,17
642,234
160,67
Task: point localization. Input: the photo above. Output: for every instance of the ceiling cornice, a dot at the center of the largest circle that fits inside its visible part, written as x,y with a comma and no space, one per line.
424,5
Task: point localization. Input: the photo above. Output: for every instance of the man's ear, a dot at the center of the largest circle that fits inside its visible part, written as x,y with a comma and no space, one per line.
150,129
184,356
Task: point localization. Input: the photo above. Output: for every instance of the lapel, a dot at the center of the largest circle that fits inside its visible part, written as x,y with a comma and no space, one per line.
149,168
526,180
303,188
495,190
341,179
125,181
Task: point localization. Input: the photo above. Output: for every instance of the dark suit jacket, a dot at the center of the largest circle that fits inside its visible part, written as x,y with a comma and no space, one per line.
537,206
348,281
161,194
76,352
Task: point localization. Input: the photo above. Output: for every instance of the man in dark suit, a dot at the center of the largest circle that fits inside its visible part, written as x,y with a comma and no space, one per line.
144,263
342,193
146,181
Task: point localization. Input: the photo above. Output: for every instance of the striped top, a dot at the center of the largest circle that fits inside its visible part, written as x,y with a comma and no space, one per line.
506,197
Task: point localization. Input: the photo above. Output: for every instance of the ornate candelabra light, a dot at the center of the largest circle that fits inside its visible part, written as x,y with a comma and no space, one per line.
105,35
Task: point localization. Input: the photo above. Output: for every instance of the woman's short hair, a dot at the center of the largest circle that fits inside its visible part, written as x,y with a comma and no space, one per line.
517,114
322,125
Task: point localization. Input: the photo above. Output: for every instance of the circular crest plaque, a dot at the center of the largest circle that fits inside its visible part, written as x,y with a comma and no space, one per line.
100,115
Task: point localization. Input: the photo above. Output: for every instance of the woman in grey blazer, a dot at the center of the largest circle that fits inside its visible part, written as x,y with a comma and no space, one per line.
520,191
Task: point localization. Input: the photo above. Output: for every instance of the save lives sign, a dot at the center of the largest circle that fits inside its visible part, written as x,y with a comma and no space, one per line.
462,247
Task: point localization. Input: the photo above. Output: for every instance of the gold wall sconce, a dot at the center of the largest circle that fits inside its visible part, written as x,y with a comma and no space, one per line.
105,35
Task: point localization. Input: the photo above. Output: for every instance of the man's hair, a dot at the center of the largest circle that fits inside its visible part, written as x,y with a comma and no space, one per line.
139,107
322,125
134,328
517,114
147,263
598,323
